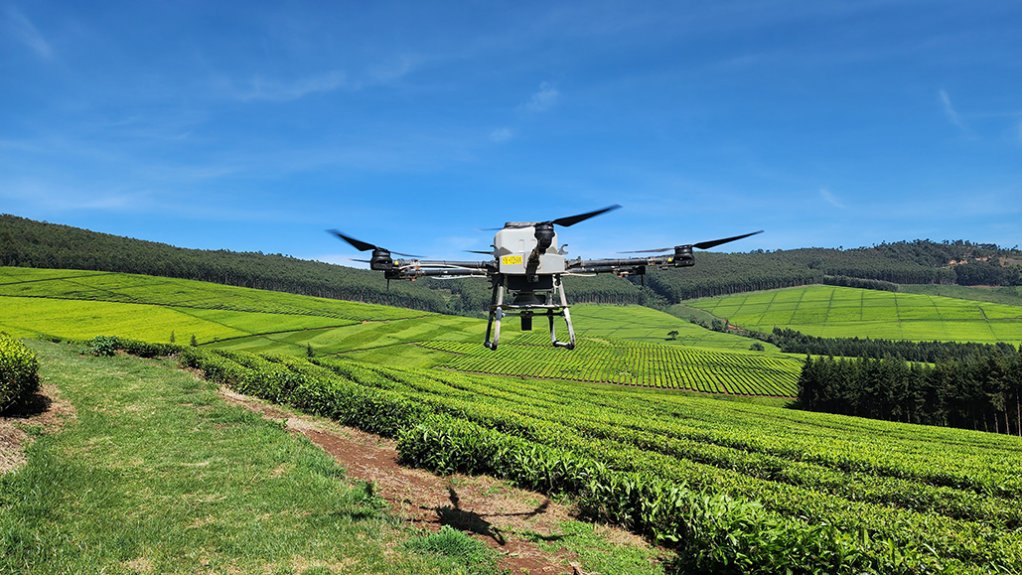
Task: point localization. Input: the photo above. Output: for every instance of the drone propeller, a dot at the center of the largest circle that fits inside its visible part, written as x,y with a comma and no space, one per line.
365,246
360,260
566,221
701,245
572,220
484,252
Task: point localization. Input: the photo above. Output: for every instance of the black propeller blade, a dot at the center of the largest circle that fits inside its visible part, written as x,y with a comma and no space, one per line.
365,246
484,252
714,243
700,245
654,251
572,220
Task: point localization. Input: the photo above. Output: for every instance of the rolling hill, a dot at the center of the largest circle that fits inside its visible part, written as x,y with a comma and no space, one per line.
619,344
831,311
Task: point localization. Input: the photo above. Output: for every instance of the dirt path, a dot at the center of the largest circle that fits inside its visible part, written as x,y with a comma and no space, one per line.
45,409
489,509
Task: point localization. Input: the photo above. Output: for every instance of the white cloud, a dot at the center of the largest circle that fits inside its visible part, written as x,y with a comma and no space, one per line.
24,30
273,90
501,135
543,99
831,199
950,112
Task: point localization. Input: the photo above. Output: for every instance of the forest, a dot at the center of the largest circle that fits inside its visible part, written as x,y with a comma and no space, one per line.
982,391
792,341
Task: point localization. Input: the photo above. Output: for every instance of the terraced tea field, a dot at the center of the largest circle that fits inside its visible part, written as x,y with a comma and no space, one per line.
742,485
655,365
638,323
830,311
626,344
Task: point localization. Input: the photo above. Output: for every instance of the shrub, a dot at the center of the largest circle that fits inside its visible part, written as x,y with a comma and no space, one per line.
103,345
19,372
106,345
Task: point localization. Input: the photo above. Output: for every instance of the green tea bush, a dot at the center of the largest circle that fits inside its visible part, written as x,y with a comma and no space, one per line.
107,345
728,502
19,372
103,345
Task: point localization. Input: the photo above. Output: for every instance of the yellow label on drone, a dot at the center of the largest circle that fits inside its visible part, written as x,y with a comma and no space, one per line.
511,260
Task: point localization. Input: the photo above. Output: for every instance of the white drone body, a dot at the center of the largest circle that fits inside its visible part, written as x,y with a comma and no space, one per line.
514,245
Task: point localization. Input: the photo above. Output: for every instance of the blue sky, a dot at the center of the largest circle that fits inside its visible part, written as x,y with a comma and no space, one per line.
256,126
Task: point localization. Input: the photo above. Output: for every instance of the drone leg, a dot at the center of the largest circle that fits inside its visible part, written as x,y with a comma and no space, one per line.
496,313
553,330
570,344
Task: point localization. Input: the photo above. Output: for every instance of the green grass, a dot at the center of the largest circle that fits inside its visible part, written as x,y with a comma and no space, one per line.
1008,295
470,555
829,311
157,475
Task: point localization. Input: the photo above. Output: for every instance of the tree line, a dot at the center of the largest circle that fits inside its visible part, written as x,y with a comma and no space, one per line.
981,392
28,243
845,281
793,341
877,267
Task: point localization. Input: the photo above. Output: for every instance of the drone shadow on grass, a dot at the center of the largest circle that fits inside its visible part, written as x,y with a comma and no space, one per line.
464,520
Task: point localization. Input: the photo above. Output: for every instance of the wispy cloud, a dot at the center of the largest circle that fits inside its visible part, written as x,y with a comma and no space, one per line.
501,135
274,90
950,112
21,28
829,197
543,99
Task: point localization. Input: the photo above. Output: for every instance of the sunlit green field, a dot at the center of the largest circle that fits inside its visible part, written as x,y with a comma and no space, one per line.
829,311
638,323
617,344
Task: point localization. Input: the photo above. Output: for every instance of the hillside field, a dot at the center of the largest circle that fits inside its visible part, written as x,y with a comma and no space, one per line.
617,344
741,483
830,311
891,494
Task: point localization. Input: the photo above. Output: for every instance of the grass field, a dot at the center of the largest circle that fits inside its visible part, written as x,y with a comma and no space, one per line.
156,474
1008,295
829,311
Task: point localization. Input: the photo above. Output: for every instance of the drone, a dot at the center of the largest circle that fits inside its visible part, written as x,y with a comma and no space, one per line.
526,270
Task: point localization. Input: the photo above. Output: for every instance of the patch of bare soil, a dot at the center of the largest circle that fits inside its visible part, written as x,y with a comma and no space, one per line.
489,509
45,410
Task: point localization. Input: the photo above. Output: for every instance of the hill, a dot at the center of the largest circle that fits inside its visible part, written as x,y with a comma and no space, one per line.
907,262
617,344
28,243
831,311
725,483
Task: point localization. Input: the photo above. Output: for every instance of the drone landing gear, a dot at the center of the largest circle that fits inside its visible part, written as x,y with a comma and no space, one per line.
526,305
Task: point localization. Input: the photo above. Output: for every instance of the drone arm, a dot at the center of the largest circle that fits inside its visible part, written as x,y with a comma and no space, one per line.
438,269
447,264
628,266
